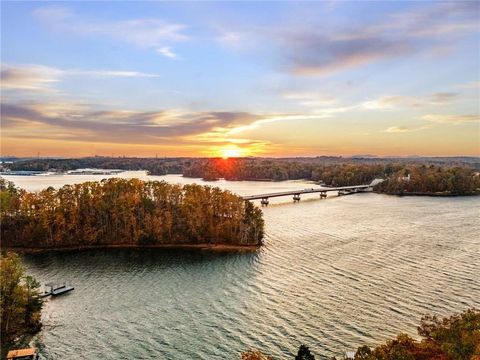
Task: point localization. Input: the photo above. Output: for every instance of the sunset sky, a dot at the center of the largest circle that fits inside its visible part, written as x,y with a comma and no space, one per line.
247,78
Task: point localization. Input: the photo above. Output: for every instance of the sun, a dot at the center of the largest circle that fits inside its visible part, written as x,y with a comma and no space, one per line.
230,152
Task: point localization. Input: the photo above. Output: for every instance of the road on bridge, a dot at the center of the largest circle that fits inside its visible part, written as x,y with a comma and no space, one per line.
322,190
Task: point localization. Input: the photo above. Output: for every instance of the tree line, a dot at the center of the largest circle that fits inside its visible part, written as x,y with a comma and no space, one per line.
20,305
456,176
418,180
456,337
126,212
400,178
155,166
233,168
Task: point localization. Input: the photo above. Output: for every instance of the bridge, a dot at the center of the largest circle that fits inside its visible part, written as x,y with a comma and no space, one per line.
342,190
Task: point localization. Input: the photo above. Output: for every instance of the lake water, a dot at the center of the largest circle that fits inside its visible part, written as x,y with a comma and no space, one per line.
334,274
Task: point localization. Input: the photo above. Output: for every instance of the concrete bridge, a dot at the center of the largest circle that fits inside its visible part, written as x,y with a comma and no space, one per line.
342,190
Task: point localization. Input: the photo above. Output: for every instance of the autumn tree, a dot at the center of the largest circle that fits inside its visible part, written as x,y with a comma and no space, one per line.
127,212
452,338
254,355
20,303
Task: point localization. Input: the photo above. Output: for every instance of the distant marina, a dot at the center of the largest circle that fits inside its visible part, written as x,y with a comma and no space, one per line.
23,173
94,172
86,171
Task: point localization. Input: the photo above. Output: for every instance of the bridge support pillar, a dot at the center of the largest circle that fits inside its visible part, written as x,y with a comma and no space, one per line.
264,202
296,197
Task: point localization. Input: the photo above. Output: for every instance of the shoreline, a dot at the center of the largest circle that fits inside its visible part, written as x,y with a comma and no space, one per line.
426,194
198,247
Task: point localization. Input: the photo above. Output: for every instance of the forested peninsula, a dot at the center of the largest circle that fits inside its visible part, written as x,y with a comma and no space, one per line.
404,176
128,213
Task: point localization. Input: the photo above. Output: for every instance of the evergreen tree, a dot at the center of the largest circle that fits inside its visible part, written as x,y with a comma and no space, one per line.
304,353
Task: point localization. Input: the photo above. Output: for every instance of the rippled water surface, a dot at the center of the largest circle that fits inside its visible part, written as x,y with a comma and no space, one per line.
334,274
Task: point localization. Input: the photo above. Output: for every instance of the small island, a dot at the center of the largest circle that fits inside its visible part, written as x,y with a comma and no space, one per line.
128,213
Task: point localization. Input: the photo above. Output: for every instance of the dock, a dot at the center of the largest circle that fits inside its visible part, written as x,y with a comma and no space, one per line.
56,289
23,354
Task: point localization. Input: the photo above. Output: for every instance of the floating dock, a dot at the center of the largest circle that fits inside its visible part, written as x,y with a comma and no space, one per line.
56,290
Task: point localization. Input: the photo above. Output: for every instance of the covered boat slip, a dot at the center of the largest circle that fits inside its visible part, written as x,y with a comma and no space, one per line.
54,289
23,354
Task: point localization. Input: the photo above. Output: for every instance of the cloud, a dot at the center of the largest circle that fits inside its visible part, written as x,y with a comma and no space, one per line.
56,14
85,123
451,119
311,49
43,78
147,32
88,124
435,119
404,129
274,118
310,99
317,46
389,102
437,20
470,85
316,54
238,40
107,73
167,52
33,77
442,97
397,129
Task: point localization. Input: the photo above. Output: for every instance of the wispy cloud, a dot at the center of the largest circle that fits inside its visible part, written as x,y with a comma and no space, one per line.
435,120
270,119
116,126
393,101
238,40
35,77
311,49
43,78
317,54
451,119
442,97
470,85
397,129
404,129
107,73
146,32
167,52
310,98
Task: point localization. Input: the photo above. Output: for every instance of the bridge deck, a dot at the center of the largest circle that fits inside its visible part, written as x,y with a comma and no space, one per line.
305,191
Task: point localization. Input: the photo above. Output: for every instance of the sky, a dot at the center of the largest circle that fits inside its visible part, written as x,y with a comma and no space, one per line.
240,78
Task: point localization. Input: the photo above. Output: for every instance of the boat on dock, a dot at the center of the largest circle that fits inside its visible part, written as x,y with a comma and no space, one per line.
54,289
